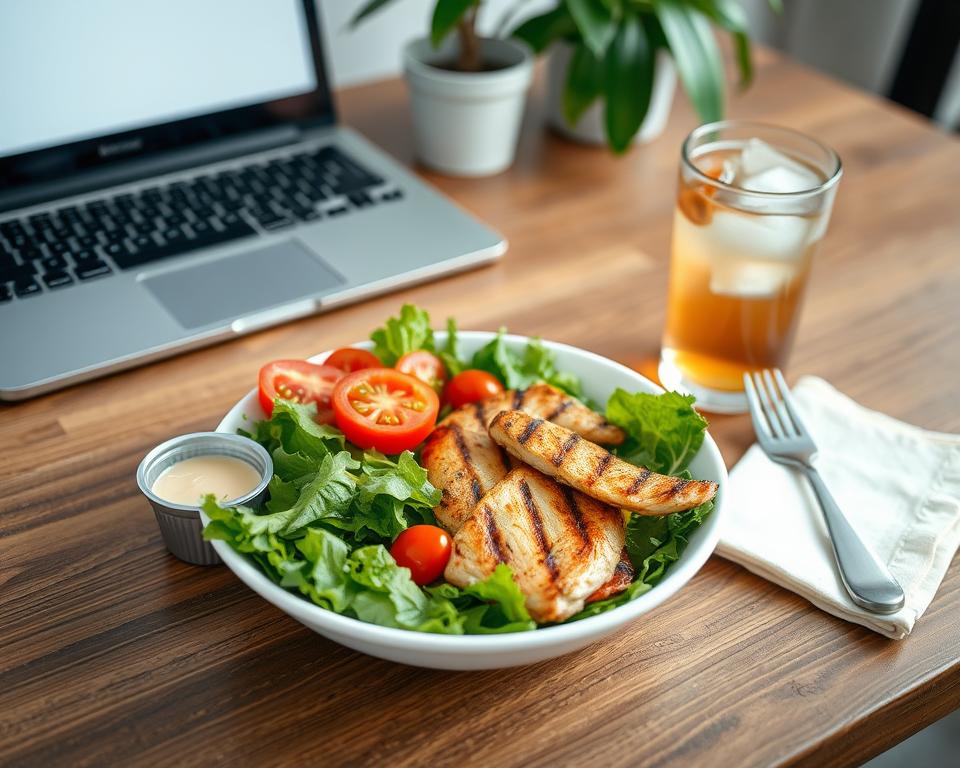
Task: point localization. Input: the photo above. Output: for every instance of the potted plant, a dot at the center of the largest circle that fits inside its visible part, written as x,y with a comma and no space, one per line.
467,91
613,63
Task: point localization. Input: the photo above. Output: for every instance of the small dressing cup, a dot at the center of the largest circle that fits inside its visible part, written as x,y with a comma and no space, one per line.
180,523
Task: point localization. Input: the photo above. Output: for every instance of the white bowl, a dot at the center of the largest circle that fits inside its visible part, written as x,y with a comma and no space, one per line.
600,378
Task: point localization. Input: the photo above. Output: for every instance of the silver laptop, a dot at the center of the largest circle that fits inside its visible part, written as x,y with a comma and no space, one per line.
171,174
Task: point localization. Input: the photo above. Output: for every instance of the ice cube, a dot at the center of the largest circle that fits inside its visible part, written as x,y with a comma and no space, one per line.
763,169
754,256
750,279
757,236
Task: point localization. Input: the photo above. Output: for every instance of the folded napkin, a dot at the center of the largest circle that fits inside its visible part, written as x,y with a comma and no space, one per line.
897,484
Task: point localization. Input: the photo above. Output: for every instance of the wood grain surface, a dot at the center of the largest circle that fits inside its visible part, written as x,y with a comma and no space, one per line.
115,653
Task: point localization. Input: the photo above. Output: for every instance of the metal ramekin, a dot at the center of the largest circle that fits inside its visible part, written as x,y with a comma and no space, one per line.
180,523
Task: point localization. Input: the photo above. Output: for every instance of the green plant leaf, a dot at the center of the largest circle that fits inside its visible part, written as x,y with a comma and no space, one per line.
695,53
370,8
540,31
596,23
730,15
584,83
446,15
628,82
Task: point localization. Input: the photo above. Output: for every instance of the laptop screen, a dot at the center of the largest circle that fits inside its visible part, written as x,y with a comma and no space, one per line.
76,70
116,78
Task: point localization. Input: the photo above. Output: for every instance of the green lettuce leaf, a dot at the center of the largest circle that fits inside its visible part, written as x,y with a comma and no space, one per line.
399,335
325,498
492,606
450,354
665,432
392,495
520,370
323,574
654,543
387,596
293,427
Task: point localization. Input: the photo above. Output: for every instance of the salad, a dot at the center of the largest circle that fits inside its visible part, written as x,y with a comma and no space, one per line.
350,522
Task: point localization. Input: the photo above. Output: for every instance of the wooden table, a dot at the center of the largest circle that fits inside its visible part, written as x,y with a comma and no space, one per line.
115,653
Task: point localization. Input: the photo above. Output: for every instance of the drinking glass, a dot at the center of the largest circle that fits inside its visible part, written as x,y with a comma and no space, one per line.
753,203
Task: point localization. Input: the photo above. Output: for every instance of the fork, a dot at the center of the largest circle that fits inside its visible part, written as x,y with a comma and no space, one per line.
785,440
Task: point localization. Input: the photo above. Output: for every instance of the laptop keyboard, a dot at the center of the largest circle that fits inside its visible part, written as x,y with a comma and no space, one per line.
72,245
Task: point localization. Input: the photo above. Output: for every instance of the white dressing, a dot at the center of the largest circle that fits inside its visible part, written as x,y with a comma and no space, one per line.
188,481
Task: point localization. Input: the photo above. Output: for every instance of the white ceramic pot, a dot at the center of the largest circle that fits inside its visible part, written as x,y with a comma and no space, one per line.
590,128
467,123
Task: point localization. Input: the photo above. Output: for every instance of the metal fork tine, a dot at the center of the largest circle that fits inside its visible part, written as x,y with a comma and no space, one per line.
756,411
788,401
769,410
789,428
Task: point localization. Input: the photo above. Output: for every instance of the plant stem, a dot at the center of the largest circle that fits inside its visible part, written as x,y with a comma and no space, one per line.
469,56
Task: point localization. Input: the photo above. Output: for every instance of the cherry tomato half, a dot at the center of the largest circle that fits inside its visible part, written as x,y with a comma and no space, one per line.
425,550
301,382
351,359
425,366
471,386
384,409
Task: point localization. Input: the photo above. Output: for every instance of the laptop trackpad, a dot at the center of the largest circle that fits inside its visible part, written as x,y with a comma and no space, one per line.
232,287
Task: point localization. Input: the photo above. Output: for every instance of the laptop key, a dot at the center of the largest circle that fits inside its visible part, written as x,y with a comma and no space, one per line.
91,268
26,287
53,264
57,279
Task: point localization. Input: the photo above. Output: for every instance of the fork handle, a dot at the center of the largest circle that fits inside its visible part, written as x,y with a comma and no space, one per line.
870,584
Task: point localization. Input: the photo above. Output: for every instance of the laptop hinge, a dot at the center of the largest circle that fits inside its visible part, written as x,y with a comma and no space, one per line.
146,167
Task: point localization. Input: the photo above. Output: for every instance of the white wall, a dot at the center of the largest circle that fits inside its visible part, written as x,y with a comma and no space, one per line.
372,50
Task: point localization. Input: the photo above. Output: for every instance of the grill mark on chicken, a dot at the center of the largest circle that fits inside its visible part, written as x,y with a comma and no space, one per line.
518,396
677,487
559,409
476,488
505,459
574,509
530,431
638,481
493,534
537,522
560,455
479,414
600,468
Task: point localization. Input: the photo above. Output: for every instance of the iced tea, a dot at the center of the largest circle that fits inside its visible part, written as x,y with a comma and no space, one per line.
753,203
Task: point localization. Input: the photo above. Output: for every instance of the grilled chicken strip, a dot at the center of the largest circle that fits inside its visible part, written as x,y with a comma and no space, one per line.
592,470
545,402
464,464
463,461
622,577
561,545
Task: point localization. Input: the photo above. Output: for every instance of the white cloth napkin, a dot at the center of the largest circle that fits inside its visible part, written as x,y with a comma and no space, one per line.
899,486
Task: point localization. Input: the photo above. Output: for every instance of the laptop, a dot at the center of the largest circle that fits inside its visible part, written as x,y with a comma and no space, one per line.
172,174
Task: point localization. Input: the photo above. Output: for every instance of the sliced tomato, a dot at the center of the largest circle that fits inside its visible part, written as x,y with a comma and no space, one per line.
470,387
425,550
351,359
425,366
384,409
300,382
